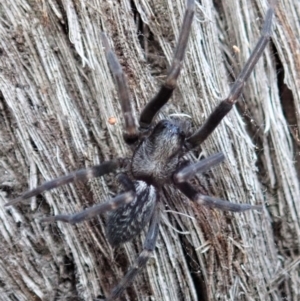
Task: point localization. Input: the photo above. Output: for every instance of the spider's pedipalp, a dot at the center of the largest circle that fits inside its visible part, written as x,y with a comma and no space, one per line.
165,92
226,105
79,175
211,202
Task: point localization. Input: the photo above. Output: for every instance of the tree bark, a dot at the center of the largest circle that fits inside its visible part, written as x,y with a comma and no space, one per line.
57,95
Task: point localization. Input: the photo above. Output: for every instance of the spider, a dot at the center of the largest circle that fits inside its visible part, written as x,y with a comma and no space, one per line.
158,156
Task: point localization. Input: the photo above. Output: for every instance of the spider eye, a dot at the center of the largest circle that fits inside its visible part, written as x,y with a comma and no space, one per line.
163,124
167,125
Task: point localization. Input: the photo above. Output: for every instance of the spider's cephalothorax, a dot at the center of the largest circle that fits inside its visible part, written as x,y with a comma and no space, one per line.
157,159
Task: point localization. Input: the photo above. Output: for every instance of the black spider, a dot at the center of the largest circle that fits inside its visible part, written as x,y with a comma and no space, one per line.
157,157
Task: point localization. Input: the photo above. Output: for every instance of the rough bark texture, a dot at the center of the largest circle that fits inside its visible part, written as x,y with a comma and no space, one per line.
56,98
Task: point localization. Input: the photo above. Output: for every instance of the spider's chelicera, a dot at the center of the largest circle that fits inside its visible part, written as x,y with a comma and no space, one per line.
158,150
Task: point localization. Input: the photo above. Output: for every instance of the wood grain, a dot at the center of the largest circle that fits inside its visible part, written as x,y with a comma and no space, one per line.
57,98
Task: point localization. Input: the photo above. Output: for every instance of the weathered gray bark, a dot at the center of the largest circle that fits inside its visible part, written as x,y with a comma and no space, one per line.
57,95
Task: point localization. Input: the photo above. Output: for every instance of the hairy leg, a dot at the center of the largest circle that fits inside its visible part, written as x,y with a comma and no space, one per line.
141,261
79,175
235,92
131,133
113,204
165,92
187,172
211,202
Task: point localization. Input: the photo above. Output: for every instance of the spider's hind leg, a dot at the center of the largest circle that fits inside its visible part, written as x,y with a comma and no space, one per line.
140,262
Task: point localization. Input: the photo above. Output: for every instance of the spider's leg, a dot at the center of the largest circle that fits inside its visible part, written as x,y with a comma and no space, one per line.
141,261
91,212
185,173
131,133
226,105
165,92
79,175
188,190
113,204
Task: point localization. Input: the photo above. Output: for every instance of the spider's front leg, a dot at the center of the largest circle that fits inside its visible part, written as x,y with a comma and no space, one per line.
131,133
236,90
166,91
185,173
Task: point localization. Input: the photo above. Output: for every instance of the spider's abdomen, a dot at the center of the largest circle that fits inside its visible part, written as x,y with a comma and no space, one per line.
129,220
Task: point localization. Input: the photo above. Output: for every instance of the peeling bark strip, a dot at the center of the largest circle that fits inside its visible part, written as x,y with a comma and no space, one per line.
57,96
